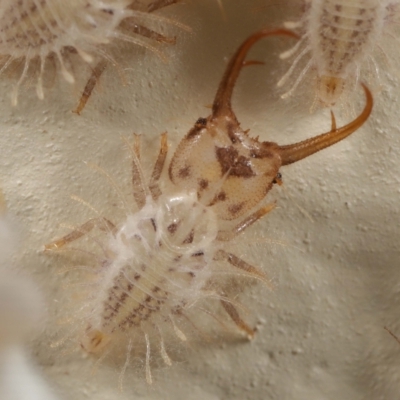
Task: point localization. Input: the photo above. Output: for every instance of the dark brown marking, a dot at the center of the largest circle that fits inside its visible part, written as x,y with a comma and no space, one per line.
221,196
201,123
236,208
189,238
203,183
278,179
172,228
230,160
184,172
96,341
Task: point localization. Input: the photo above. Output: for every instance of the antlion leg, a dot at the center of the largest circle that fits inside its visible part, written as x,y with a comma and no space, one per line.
102,223
242,225
234,314
157,4
249,269
138,182
158,167
149,33
91,83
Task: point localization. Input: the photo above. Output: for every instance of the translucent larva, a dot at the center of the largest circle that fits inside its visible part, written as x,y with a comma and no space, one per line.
35,32
338,39
160,266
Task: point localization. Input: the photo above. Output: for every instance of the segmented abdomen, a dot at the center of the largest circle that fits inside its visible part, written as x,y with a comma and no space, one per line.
31,28
343,32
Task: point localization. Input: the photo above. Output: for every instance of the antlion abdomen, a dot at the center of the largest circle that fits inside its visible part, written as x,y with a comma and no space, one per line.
342,33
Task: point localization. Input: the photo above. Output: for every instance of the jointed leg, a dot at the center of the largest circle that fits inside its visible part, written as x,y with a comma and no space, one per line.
243,265
102,223
131,25
91,83
241,226
158,168
138,183
234,314
157,4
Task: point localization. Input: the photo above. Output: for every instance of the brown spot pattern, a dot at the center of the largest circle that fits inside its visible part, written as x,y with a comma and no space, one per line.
230,160
184,172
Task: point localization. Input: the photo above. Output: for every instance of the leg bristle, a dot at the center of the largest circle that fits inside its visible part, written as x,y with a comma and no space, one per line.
65,73
178,332
164,353
123,370
149,378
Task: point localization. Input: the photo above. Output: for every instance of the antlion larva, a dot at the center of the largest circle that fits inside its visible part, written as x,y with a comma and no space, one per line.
337,36
165,263
33,31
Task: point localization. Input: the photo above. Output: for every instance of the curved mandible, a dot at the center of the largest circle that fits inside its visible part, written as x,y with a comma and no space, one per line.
222,102
297,151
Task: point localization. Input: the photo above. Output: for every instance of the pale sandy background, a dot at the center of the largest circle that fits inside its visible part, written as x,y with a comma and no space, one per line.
331,246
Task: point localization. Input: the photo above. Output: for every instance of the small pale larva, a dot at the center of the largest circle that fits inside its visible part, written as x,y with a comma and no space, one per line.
161,266
339,37
35,31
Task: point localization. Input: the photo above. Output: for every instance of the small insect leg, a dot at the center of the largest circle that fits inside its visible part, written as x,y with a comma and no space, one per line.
149,378
234,314
102,223
157,4
138,183
149,33
122,374
243,266
158,168
241,226
91,83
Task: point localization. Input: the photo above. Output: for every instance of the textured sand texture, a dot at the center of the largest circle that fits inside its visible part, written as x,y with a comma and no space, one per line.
331,245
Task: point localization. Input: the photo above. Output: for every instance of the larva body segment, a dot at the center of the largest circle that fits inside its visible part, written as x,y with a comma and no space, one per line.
161,265
31,31
158,267
35,29
338,36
